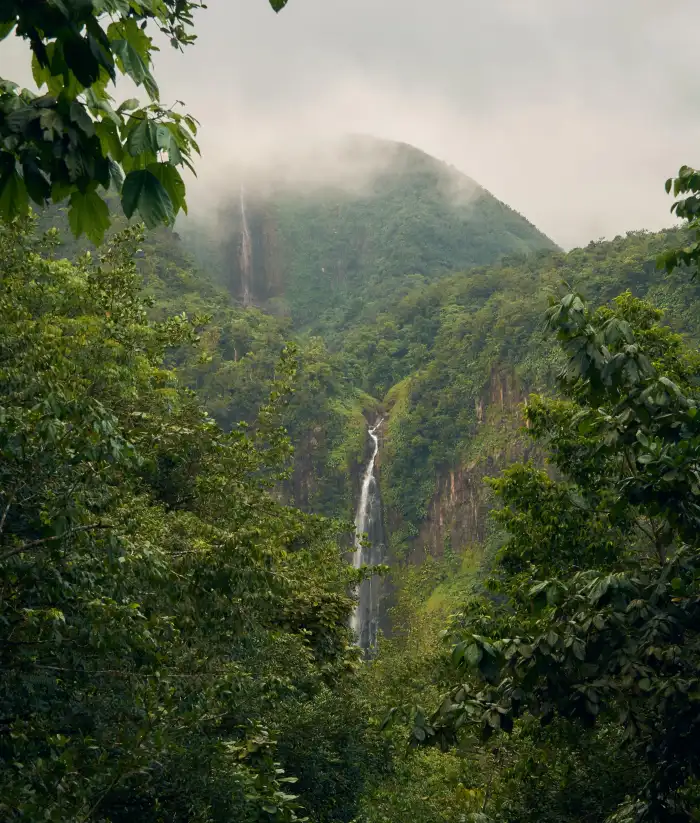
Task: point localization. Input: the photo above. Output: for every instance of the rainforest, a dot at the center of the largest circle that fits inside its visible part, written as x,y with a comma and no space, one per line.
354,499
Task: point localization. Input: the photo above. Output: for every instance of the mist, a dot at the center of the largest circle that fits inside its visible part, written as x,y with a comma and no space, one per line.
572,113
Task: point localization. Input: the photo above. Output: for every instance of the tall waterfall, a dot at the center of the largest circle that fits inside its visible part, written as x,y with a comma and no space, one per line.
368,521
246,256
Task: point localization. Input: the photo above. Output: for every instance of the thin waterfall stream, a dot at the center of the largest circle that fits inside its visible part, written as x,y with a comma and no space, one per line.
246,256
369,550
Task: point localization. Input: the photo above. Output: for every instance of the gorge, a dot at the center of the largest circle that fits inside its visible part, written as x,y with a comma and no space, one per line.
434,317
340,365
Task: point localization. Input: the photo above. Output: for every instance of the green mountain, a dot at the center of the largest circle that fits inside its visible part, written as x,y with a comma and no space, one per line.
379,217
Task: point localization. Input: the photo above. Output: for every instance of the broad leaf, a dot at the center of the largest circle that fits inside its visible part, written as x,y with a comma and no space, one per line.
109,138
171,181
88,214
13,192
81,118
133,64
36,181
143,192
142,138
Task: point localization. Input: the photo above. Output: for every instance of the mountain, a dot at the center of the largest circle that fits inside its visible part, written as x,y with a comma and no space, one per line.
334,238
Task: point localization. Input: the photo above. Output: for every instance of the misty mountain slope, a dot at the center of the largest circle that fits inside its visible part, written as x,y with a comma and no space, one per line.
334,244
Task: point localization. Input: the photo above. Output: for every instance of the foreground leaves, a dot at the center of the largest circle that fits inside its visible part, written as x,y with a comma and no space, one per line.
163,618
601,574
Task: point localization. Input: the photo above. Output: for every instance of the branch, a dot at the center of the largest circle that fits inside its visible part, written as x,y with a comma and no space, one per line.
4,514
34,543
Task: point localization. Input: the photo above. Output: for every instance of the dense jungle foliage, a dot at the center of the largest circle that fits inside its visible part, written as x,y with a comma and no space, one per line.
174,640
177,476
176,644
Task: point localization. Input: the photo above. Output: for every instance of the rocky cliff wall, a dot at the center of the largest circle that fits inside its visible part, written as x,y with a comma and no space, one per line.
458,512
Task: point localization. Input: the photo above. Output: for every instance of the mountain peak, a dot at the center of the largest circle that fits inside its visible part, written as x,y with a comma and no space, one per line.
350,221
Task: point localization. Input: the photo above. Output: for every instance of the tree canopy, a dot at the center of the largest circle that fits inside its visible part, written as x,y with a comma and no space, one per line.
175,642
600,573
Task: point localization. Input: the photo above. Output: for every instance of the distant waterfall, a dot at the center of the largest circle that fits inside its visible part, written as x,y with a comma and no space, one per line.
368,520
246,256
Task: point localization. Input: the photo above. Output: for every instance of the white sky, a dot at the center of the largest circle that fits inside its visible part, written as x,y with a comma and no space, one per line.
574,112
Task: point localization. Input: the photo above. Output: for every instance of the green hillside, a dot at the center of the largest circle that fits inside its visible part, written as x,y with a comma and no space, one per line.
433,358
331,254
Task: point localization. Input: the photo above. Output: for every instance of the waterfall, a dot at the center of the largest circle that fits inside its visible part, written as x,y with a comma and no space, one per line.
368,521
246,256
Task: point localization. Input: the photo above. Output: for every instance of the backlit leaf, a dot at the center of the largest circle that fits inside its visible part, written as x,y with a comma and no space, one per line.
171,181
143,192
88,214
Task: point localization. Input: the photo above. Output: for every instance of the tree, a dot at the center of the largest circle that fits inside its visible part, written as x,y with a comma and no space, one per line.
163,619
599,616
688,208
69,141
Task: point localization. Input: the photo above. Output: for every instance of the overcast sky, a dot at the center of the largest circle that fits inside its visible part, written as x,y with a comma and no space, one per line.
573,112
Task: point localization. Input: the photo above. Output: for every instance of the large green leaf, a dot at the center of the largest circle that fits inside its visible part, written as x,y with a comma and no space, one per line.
134,65
278,5
142,138
143,192
171,181
13,192
81,60
88,214
128,105
109,138
36,181
80,116
77,47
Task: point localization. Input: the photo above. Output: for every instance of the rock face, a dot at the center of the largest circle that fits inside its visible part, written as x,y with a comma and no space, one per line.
457,515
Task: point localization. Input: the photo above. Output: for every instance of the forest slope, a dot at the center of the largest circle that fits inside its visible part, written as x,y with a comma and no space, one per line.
330,252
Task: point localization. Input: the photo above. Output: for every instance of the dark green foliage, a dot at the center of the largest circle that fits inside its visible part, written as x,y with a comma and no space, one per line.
601,571
163,618
69,140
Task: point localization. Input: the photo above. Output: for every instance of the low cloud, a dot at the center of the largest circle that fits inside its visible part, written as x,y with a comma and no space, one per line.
572,113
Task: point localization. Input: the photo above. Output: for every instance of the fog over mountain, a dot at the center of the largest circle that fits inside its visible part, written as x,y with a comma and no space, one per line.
573,113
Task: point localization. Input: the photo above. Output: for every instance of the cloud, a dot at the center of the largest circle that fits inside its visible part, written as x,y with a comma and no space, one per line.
573,113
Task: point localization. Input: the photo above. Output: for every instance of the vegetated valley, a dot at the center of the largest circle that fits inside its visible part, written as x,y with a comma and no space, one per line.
198,427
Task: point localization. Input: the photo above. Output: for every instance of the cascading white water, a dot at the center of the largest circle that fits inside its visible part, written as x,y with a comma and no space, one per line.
246,256
368,522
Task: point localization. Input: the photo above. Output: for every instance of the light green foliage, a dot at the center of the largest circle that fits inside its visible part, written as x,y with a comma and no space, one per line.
425,786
